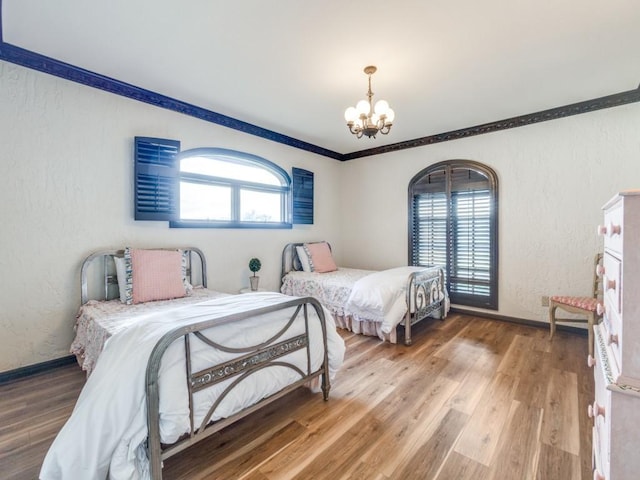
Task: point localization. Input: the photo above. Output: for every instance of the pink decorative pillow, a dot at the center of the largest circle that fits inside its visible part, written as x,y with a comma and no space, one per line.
320,257
156,275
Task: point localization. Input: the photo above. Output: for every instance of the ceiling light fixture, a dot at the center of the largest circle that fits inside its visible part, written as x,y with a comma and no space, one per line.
365,119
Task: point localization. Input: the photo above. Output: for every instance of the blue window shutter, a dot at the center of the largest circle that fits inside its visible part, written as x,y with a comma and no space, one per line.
302,197
156,179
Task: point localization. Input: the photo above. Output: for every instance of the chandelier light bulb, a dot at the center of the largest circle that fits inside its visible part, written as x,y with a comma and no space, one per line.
351,114
391,115
367,120
381,108
363,107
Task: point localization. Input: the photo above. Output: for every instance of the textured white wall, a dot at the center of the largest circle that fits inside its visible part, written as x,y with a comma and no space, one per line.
66,190
554,178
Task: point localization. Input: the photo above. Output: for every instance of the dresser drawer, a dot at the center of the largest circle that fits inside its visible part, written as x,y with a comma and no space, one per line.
612,228
613,334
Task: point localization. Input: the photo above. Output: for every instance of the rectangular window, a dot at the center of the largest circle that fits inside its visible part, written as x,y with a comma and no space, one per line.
205,202
258,206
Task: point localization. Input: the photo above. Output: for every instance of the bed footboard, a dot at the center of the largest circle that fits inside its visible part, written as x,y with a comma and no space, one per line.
426,295
249,360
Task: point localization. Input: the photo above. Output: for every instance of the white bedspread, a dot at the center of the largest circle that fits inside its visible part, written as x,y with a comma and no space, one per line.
381,297
104,437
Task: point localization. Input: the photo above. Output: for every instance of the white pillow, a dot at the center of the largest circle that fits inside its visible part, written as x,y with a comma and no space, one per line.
304,259
122,277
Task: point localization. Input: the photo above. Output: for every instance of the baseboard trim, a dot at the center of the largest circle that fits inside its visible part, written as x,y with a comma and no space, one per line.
521,321
30,370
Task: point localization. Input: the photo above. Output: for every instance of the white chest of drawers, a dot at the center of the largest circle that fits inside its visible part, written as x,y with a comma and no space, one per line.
616,409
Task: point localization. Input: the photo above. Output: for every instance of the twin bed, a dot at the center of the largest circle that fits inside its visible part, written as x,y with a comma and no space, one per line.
189,361
174,371
364,301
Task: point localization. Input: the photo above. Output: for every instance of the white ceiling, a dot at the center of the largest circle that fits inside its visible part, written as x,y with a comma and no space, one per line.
293,66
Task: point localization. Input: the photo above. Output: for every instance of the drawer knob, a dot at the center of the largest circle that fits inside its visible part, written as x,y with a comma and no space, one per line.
613,338
597,475
602,230
600,308
600,270
591,361
608,283
595,410
613,229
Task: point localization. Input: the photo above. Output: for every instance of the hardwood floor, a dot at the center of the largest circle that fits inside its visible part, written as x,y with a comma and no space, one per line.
471,399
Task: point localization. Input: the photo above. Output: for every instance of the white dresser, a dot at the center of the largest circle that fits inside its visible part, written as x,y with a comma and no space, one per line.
616,361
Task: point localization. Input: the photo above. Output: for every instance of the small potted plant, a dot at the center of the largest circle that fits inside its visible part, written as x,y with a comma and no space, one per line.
254,266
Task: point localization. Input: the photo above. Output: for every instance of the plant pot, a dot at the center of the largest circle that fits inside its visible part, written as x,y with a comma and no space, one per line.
254,283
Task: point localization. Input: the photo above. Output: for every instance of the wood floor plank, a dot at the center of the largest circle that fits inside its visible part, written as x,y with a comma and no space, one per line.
554,463
429,457
480,437
517,458
472,386
516,355
560,422
459,467
404,435
326,432
252,455
534,378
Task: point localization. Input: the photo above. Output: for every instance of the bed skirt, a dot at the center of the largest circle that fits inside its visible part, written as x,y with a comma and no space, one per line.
364,327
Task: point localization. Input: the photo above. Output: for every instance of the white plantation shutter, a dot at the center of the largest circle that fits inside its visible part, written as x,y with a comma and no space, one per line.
454,225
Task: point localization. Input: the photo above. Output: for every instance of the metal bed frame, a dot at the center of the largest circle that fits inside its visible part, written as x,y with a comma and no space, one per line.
252,359
269,353
422,295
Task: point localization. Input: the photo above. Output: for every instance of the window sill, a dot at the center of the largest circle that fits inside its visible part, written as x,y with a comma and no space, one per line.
205,224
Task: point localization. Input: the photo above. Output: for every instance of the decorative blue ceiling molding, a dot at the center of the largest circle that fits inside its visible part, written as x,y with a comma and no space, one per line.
608,101
35,61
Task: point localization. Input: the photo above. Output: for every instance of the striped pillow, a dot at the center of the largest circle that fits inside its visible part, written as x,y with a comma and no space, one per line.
154,275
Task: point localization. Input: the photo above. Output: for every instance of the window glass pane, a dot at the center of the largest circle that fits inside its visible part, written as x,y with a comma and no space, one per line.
236,171
204,202
258,206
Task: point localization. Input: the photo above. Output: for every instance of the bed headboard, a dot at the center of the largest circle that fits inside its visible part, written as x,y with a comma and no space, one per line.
290,260
98,278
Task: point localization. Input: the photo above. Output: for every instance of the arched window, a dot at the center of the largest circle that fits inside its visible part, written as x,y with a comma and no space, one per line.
231,188
453,222
216,187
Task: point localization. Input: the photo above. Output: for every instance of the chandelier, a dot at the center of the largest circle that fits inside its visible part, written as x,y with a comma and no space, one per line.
365,119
